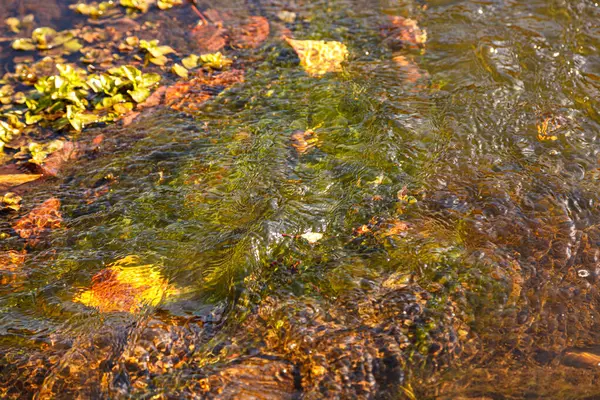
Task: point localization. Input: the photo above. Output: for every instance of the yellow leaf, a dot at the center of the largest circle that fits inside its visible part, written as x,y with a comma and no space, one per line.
318,56
126,286
17,179
182,72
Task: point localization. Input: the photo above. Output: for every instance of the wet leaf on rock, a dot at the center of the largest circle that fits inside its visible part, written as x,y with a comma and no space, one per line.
80,119
39,221
318,57
129,44
23,44
10,127
126,286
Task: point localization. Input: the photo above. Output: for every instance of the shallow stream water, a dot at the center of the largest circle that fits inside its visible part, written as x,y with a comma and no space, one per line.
460,249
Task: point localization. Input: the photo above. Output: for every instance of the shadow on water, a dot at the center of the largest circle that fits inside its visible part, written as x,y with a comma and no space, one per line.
455,188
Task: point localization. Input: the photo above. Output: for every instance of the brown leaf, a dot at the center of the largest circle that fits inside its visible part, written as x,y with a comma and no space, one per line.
409,69
97,141
393,228
252,34
402,32
189,95
154,99
130,117
210,38
227,30
39,221
216,17
57,160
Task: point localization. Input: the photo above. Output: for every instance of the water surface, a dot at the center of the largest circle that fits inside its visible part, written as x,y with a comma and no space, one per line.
487,287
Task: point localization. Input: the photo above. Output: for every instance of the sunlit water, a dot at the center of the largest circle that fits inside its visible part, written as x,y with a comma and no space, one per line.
501,222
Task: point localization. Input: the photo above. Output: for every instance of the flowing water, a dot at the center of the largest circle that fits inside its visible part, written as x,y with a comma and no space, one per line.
455,186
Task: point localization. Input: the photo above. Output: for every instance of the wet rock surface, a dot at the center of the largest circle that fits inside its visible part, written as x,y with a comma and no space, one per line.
360,345
418,221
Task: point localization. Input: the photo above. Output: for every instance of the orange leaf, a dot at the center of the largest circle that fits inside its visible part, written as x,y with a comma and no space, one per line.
39,221
126,286
252,34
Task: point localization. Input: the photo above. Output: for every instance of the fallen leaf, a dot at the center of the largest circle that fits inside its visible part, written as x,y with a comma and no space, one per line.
392,228
287,16
319,57
10,202
409,69
191,61
179,70
11,180
210,37
39,221
547,127
214,61
402,32
154,99
10,267
126,286
312,237
252,34
11,259
581,358
189,95
130,117
54,162
302,141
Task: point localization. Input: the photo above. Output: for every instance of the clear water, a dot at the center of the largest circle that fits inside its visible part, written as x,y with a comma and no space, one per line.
503,236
